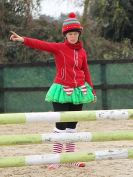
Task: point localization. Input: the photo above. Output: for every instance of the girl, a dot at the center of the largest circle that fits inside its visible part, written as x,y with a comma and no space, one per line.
72,84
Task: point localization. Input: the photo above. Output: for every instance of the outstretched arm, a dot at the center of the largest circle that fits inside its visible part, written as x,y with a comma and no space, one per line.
35,43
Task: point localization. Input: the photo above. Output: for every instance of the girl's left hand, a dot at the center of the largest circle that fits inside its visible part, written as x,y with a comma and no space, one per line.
95,99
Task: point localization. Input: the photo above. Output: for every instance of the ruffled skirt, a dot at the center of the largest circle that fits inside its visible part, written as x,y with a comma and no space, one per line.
56,93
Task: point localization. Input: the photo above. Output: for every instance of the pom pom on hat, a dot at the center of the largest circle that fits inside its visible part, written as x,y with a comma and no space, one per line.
71,15
71,24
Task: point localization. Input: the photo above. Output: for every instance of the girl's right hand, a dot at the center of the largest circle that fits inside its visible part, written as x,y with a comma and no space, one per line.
16,37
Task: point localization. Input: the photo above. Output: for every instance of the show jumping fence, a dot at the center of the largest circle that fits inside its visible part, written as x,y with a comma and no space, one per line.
18,118
65,137
72,116
65,157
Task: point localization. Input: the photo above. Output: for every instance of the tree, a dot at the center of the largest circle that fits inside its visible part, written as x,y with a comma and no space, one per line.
14,15
114,18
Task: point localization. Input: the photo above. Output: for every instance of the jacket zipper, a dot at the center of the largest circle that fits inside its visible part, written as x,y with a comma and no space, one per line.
75,64
62,73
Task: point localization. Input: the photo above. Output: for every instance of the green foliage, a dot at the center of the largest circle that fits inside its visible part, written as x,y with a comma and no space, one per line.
43,30
114,18
108,50
97,47
40,29
107,29
15,15
107,34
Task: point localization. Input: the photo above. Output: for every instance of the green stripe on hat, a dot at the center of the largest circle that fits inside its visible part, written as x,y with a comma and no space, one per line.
70,22
70,19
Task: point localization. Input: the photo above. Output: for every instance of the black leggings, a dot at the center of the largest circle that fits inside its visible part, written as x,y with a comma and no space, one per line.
58,107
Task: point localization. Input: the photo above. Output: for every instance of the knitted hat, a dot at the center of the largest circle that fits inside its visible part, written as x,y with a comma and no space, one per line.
71,24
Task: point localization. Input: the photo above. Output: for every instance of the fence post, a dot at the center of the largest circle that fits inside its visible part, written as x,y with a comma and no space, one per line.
104,85
1,90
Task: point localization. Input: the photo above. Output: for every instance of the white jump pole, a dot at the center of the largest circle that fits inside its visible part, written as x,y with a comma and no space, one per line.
68,116
65,157
65,137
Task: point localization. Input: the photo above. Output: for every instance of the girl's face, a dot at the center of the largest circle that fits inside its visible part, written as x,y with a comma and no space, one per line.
72,37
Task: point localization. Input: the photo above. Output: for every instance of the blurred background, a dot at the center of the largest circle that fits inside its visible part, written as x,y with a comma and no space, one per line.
26,74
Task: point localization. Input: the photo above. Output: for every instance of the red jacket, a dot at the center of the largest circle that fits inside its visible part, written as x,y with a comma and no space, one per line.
70,59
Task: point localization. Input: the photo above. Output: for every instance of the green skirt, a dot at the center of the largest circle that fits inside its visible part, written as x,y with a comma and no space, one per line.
57,94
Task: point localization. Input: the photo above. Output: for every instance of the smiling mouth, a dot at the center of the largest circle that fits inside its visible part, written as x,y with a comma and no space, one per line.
72,40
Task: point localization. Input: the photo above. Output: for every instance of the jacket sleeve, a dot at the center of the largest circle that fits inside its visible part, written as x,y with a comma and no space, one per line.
51,47
87,74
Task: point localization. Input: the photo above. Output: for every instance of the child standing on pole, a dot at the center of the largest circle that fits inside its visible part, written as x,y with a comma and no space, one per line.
72,86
